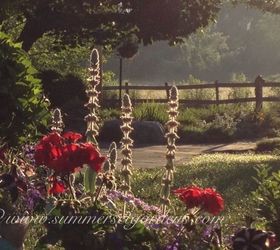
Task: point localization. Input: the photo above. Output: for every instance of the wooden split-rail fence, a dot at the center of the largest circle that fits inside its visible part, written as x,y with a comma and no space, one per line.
258,99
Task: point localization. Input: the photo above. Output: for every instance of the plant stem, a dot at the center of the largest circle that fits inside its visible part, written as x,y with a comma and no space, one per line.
72,191
124,208
98,192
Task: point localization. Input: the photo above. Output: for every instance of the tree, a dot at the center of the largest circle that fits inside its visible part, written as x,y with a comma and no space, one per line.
110,22
205,51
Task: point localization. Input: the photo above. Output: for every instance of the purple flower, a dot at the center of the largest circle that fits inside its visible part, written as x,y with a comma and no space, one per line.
173,246
29,151
208,231
129,198
32,198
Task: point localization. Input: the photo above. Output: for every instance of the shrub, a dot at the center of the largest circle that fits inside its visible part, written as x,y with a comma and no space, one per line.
191,134
109,79
268,145
68,94
267,199
109,114
151,112
236,93
23,109
60,89
197,94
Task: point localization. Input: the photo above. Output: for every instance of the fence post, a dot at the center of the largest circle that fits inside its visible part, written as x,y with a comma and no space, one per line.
167,91
259,82
120,81
126,88
217,92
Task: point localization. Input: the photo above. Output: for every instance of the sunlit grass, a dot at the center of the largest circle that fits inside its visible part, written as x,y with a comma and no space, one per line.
232,175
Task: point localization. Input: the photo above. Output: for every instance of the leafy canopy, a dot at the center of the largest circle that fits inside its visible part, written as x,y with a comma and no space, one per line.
110,22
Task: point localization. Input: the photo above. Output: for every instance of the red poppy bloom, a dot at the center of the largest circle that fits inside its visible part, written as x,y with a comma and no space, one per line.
191,196
72,137
64,155
57,187
207,199
213,202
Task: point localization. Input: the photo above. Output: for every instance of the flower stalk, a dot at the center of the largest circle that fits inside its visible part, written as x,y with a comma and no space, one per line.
126,146
171,136
93,97
57,122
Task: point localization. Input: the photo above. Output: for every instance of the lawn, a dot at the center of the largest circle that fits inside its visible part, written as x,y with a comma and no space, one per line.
231,174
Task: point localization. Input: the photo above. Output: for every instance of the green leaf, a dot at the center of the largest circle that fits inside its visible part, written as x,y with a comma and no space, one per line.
89,179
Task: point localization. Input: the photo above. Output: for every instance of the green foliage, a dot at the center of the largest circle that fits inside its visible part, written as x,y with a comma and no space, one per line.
226,123
236,93
48,53
267,198
23,110
196,94
90,180
205,50
215,124
109,79
151,112
68,94
100,232
105,23
109,114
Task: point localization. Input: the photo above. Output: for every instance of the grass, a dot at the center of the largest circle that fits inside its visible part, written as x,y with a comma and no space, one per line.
232,175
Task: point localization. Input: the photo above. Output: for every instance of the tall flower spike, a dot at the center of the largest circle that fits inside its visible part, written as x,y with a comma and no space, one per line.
126,145
93,97
171,135
57,122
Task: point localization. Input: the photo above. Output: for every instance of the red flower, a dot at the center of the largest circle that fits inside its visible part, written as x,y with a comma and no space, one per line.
64,155
57,187
213,202
93,157
48,149
191,196
207,199
72,137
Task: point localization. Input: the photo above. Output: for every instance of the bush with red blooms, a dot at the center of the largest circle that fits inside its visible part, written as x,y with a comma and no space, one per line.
207,199
65,155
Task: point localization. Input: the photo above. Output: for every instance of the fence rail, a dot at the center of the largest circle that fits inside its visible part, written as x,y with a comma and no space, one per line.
258,85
